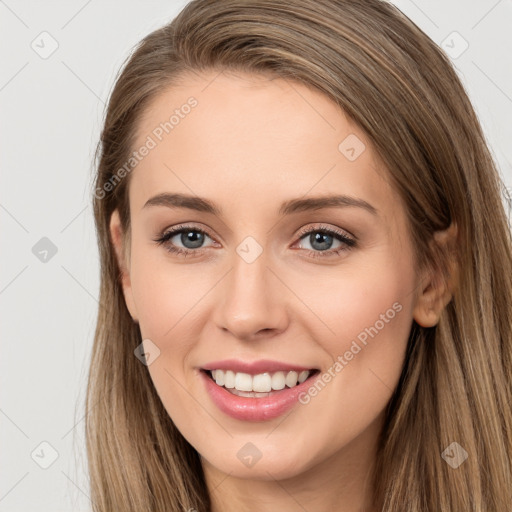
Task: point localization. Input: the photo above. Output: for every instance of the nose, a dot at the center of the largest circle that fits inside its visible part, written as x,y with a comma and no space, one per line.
251,301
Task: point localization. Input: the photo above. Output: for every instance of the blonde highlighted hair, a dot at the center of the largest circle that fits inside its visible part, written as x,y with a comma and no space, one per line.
402,91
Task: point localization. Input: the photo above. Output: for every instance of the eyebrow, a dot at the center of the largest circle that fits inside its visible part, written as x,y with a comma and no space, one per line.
201,204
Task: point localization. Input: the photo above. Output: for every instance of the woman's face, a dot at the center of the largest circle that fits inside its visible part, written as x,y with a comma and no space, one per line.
271,271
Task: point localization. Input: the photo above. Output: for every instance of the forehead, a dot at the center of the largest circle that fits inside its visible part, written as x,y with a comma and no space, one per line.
253,141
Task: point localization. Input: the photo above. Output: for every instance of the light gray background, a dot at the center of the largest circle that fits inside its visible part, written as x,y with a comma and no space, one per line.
51,113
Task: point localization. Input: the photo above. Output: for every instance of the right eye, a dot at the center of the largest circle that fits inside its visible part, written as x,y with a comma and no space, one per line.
190,237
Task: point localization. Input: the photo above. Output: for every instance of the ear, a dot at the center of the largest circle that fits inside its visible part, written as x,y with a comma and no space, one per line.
120,241
439,283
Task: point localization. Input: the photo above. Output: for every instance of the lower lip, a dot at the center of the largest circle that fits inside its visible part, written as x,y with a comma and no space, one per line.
254,409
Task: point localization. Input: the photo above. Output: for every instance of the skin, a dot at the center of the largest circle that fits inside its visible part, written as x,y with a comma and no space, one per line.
250,144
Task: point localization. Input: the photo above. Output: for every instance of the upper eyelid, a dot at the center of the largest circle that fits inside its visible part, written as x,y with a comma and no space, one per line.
179,228
336,231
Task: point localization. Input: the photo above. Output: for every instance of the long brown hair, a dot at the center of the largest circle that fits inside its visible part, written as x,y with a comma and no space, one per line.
402,90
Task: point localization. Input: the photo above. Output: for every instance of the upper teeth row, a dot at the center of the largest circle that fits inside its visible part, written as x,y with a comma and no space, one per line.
261,383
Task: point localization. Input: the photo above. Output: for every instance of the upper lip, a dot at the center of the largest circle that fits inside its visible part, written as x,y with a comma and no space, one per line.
254,367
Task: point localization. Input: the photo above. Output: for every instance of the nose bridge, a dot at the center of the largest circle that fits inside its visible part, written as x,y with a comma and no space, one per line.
249,278
248,304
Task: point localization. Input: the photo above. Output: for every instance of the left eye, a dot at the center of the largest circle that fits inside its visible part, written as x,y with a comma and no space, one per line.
322,238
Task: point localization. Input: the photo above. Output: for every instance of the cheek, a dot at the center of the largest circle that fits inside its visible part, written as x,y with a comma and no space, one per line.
363,322
349,304
370,312
166,294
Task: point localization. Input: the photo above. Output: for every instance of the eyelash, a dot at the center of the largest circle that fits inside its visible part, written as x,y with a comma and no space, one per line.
164,238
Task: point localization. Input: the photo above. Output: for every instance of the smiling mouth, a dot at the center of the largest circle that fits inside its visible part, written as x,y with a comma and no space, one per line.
261,385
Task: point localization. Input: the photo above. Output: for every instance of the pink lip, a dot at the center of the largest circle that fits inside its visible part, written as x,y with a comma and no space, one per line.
254,367
254,409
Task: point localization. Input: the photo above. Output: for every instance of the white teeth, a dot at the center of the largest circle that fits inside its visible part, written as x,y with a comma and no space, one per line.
291,379
303,376
243,382
219,378
278,381
261,383
229,378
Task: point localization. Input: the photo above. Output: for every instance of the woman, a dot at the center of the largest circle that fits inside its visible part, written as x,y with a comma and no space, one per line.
306,271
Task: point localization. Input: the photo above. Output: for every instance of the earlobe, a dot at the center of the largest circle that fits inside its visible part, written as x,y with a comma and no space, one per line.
439,284
118,241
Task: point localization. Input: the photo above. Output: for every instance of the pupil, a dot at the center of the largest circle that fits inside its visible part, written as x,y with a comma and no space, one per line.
314,238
